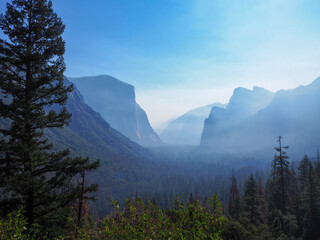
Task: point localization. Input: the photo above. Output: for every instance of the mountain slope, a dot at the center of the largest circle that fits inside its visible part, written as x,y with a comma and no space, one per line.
224,122
293,114
187,129
125,165
115,101
89,133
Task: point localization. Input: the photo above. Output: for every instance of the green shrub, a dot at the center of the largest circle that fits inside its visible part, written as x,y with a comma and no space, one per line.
140,220
15,227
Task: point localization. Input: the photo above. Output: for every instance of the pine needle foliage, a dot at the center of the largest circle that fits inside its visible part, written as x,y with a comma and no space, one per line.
32,174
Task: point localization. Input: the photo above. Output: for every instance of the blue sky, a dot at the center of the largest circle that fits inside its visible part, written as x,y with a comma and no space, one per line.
181,54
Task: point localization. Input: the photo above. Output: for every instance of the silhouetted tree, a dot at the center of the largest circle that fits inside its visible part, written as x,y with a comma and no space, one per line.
31,80
310,204
262,204
278,191
279,177
234,206
252,202
303,172
318,163
296,200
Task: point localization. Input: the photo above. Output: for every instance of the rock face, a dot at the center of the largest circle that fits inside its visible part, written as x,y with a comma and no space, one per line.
254,119
89,134
187,129
115,101
245,103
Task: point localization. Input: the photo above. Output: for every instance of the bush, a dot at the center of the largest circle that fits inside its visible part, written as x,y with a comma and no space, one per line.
140,220
15,227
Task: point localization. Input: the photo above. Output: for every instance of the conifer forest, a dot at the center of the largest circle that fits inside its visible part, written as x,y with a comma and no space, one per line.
79,158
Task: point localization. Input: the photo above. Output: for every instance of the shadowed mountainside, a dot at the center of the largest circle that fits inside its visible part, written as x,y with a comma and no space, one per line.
251,123
115,101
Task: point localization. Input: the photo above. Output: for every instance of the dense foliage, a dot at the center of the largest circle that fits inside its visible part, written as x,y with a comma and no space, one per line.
253,213
139,220
289,207
44,192
32,174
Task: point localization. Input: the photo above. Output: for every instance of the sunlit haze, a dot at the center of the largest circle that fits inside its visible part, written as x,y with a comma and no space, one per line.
182,54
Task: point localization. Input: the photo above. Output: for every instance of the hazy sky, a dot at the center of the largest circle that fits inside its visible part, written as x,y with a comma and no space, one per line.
181,54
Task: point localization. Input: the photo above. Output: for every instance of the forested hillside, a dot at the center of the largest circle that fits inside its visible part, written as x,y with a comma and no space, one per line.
87,164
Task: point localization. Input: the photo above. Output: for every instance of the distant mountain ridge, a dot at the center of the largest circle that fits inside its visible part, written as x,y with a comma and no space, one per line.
187,129
243,104
253,119
115,101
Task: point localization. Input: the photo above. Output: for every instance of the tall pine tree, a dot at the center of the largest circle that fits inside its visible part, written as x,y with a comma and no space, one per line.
32,174
318,163
303,172
263,203
234,206
295,199
279,177
252,202
278,190
311,204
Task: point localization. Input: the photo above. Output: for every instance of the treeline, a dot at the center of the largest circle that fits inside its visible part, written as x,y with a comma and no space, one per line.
163,177
282,202
42,187
285,206
163,180
288,207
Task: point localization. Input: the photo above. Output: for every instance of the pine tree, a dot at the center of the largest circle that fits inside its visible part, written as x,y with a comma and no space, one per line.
263,204
279,177
310,202
296,200
32,174
318,163
252,202
278,189
234,207
303,172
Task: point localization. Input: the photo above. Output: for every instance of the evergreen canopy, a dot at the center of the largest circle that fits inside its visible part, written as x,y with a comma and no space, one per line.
33,93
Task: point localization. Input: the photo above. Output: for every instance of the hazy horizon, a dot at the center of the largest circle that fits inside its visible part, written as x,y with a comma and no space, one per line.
184,54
